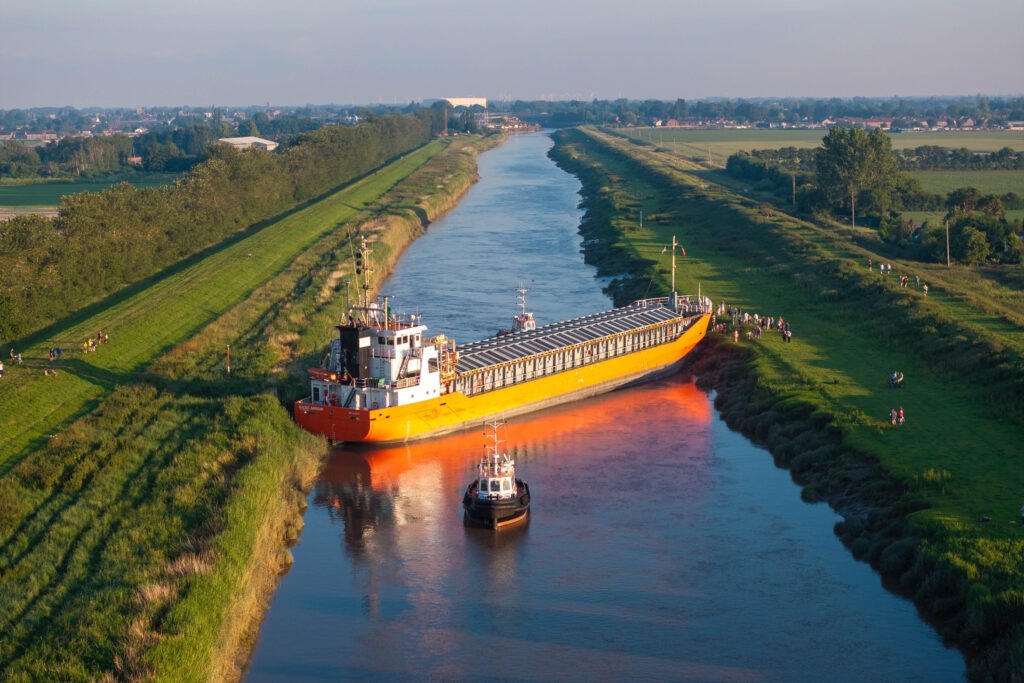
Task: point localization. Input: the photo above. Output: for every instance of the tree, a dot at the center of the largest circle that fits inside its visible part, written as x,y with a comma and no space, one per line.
248,127
972,246
852,161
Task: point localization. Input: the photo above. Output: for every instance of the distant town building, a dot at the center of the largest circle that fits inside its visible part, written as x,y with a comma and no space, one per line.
250,142
467,101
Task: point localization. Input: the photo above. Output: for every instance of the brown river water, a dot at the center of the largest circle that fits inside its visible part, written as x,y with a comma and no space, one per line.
661,546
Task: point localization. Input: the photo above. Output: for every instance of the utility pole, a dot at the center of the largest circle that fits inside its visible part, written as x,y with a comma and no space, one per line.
947,243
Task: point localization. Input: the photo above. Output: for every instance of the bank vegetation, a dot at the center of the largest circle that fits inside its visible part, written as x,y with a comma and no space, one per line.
148,496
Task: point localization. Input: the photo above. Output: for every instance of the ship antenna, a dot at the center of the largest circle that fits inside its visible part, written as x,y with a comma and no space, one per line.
674,245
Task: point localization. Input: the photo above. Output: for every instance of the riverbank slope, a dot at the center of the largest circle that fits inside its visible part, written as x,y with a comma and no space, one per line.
932,504
149,492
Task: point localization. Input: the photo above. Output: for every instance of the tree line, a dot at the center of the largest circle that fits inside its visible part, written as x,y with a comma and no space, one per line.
857,174
101,241
793,111
921,158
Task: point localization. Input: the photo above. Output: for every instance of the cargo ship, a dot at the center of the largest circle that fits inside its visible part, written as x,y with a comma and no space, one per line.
385,380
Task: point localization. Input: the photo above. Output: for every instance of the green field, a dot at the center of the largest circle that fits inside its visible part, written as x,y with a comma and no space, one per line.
49,194
986,182
718,144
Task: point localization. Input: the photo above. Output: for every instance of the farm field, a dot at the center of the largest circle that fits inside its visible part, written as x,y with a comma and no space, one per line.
986,182
26,195
720,143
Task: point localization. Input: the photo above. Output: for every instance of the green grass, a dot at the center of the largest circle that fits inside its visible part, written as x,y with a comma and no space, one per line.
36,195
129,530
851,328
153,318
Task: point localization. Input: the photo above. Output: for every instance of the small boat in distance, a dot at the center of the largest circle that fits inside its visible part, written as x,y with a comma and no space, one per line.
523,321
496,498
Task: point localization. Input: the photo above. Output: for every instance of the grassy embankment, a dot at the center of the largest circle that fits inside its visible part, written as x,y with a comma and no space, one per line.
934,504
143,538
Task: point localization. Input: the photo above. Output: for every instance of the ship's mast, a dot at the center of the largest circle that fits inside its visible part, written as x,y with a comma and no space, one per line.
362,257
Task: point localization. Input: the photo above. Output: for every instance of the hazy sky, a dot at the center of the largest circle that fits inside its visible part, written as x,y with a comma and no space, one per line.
116,53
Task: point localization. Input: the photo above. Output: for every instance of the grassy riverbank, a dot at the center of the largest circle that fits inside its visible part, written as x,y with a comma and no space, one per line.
934,504
147,497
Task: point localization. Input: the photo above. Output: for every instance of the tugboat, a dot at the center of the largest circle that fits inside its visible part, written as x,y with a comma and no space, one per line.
496,498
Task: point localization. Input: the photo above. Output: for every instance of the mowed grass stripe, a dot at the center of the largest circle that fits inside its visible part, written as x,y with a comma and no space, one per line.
151,322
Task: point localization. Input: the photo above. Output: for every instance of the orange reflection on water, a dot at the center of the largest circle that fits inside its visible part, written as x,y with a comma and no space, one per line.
671,413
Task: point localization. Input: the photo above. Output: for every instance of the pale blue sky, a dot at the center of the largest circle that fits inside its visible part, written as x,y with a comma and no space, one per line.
234,52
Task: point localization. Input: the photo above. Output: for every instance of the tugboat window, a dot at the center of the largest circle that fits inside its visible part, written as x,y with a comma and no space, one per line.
495,485
506,485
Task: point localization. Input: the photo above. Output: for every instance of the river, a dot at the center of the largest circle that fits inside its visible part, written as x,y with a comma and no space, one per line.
661,545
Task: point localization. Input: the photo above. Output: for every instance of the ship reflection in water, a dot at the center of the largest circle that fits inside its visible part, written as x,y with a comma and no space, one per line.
366,487
660,546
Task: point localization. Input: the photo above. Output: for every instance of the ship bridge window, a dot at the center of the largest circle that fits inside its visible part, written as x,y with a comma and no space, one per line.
495,485
506,485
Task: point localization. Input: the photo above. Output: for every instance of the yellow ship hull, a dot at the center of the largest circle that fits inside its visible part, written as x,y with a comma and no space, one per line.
454,411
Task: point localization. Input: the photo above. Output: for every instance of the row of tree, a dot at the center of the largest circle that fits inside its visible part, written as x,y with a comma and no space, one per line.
294,120
105,240
921,158
856,172
794,111
178,147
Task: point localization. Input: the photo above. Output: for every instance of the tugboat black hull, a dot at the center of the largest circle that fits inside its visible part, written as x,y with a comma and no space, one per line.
496,513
